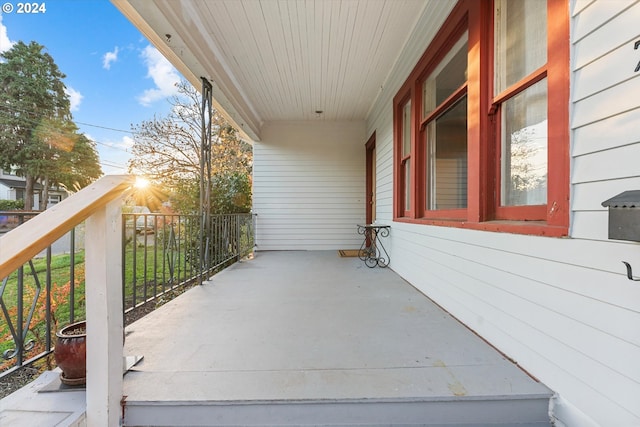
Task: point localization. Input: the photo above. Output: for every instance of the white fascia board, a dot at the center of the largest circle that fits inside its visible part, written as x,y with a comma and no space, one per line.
180,53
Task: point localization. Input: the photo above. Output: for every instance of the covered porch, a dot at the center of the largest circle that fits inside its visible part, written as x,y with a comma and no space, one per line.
312,338
302,338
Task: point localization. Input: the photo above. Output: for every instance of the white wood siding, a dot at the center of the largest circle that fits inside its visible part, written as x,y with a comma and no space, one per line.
562,308
309,185
5,193
606,111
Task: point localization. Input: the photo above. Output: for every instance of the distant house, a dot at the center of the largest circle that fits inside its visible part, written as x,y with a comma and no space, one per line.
13,186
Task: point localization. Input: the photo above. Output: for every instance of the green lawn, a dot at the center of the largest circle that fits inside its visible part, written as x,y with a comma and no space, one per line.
157,267
152,264
157,275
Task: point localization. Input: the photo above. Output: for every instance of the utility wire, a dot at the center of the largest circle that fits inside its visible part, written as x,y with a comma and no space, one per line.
112,165
104,127
37,124
12,109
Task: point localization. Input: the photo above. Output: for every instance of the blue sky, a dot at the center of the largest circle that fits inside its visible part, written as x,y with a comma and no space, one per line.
115,78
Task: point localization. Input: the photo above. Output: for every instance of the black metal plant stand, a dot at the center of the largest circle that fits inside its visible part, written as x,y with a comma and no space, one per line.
372,251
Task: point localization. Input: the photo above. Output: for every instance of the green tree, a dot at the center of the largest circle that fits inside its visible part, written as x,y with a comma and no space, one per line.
73,161
167,151
230,193
33,109
78,164
37,134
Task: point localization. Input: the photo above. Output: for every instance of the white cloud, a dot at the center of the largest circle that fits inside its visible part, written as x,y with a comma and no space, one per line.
163,74
5,43
127,142
75,97
109,58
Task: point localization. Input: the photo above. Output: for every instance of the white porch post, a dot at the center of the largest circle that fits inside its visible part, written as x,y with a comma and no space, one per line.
103,292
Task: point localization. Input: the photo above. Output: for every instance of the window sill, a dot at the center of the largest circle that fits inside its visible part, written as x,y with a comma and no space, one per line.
532,228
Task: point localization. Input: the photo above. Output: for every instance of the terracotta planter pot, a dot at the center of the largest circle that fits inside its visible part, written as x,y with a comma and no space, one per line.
71,353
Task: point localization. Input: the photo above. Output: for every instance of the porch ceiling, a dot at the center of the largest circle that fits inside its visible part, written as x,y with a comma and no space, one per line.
281,60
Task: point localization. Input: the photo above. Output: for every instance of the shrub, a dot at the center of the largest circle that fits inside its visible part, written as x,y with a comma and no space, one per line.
8,205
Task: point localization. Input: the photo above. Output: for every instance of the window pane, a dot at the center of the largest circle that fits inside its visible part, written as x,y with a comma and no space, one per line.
447,159
406,129
450,74
407,185
524,148
520,40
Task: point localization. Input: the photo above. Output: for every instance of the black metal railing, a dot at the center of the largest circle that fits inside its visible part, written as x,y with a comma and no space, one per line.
37,298
160,255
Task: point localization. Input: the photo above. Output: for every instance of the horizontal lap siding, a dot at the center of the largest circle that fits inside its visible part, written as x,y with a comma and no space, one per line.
606,112
308,187
561,308
5,192
606,161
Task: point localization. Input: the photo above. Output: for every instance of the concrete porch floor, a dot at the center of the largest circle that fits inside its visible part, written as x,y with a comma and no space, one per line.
310,338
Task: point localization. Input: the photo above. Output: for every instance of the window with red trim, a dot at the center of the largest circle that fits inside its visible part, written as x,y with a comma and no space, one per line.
405,161
481,124
443,134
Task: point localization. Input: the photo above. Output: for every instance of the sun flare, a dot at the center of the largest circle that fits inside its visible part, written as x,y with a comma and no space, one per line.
141,183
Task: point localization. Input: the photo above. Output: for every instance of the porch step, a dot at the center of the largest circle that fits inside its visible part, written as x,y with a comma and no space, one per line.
464,412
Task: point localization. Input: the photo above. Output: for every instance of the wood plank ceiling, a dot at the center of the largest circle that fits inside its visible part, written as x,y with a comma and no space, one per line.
284,59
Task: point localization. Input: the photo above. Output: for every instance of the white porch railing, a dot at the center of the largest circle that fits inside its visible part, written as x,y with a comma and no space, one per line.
100,205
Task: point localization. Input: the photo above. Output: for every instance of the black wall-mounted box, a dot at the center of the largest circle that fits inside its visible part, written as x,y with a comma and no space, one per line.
624,216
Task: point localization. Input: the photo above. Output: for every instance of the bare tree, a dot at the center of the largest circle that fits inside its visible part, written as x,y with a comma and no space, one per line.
167,149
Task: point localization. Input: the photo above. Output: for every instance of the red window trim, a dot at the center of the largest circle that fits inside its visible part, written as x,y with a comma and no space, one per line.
558,76
483,212
444,106
449,34
521,85
423,212
399,102
555,212
537,228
